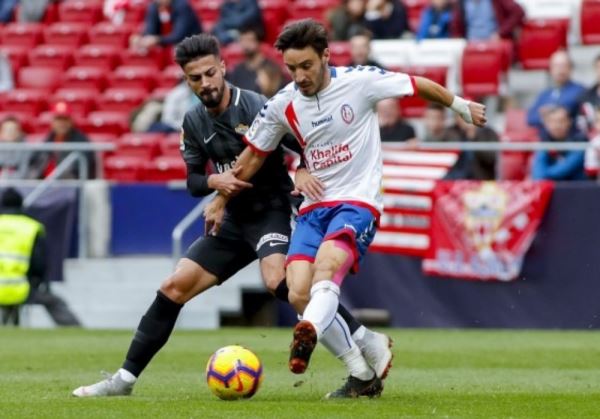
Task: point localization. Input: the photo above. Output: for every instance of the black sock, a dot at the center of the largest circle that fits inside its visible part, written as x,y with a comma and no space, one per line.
282,291
353,324
152,333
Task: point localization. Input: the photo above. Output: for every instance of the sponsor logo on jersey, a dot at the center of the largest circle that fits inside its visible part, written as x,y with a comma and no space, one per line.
347,113
207,140
241,129
274,239
223,167
322,121
322,158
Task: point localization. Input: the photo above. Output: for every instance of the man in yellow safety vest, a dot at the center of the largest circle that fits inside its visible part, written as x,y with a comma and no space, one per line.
22,255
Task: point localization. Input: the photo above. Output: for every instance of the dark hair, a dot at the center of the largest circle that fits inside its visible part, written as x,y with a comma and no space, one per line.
436,107
11,198
301,34
196,46
255,29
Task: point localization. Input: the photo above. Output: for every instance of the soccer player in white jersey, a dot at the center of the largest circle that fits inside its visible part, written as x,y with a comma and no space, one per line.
331,112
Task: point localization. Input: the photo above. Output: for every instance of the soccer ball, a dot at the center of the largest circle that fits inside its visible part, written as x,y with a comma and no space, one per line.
234,372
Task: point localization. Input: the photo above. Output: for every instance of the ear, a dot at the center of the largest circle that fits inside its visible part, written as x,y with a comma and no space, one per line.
223,67
326,55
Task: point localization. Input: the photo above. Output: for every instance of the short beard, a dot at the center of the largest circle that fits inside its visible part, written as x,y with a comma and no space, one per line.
213,103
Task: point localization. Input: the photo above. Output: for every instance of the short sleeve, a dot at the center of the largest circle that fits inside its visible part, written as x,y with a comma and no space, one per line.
191,153
380,84
268,126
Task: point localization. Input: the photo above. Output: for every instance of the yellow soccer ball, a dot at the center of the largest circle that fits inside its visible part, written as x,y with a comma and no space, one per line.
234,372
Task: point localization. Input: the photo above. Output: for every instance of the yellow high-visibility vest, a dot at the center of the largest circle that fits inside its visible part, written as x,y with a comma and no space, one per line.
17,237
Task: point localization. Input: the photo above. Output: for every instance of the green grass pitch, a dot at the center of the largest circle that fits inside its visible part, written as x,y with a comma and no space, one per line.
437,373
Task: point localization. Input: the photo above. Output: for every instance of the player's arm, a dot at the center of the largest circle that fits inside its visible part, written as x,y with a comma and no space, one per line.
471,112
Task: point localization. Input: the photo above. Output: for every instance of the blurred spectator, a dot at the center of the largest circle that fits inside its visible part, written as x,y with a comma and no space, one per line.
360,49
236,14
386,19
477,165
177,102
592,154
391,126
590,100
32,10
244,74
347,19
435,20
269,78
564,92
7,10
486,19
14,163
434,122
6,74
167,23
559,165
62,130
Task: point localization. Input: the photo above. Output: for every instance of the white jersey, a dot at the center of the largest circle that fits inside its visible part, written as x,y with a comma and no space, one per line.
338,130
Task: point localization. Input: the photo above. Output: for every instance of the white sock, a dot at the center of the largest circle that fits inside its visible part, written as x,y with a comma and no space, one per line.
359,334
337,337
356,364
127,376
323,304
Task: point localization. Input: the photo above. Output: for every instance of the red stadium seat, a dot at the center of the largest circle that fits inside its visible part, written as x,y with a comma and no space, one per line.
170,145
315,9
17,55
481,68
81,100
340,53
85,77
121,99
539,40
105,56
136,11
274,13
414,107
164,169
65,33
106,33
84,11
170,76
103,138
152,58
27,101
514,165
415,8
44,79
144,145
232,54
590,16
52,56
106,122
123,168
41,124
133,76
24,34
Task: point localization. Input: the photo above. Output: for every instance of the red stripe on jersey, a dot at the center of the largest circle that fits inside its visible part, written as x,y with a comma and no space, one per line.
413,82
254,148
290,114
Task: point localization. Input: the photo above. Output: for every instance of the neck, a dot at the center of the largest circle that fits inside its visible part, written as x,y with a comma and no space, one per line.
326,79
220,108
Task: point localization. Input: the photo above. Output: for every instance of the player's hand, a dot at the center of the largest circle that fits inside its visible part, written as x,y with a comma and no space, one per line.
214,213
227,183
308,185
477,111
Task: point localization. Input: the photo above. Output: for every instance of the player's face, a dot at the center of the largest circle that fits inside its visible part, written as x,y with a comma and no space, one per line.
206,78
307,69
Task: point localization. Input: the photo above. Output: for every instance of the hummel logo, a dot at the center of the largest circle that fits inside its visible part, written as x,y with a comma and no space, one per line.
207,140
275,244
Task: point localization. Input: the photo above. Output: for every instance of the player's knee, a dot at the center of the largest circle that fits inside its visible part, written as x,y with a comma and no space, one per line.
298,299
325,268
170,289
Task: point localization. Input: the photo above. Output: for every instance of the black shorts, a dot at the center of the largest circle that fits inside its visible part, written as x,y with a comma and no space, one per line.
240,242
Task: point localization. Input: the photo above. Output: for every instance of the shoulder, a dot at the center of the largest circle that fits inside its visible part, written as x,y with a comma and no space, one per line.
247,98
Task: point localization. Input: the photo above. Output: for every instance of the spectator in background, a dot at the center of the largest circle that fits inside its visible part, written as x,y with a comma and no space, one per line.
482,20
476,165
435,20
564,92
386,19
559,165
7,10
360,49
244,74
269,78
62,130
15,163
592,154
236,14
590,100
434,122
391,126
177,102
6,74
347,19
167,23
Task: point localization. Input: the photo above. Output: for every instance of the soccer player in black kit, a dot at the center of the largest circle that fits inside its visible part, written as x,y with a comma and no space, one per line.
257,223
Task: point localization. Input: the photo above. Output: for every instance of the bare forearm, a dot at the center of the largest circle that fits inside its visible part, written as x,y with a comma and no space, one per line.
433,92
250,162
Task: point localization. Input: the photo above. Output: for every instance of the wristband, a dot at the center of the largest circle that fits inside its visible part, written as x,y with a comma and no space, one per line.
461,107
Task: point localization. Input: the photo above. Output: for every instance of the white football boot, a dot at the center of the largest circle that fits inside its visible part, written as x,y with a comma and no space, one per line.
377,349
112,385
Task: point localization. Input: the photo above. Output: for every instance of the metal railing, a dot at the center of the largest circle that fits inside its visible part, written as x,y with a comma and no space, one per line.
185,223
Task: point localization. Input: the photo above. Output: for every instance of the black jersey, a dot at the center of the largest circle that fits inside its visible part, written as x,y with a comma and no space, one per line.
219,139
